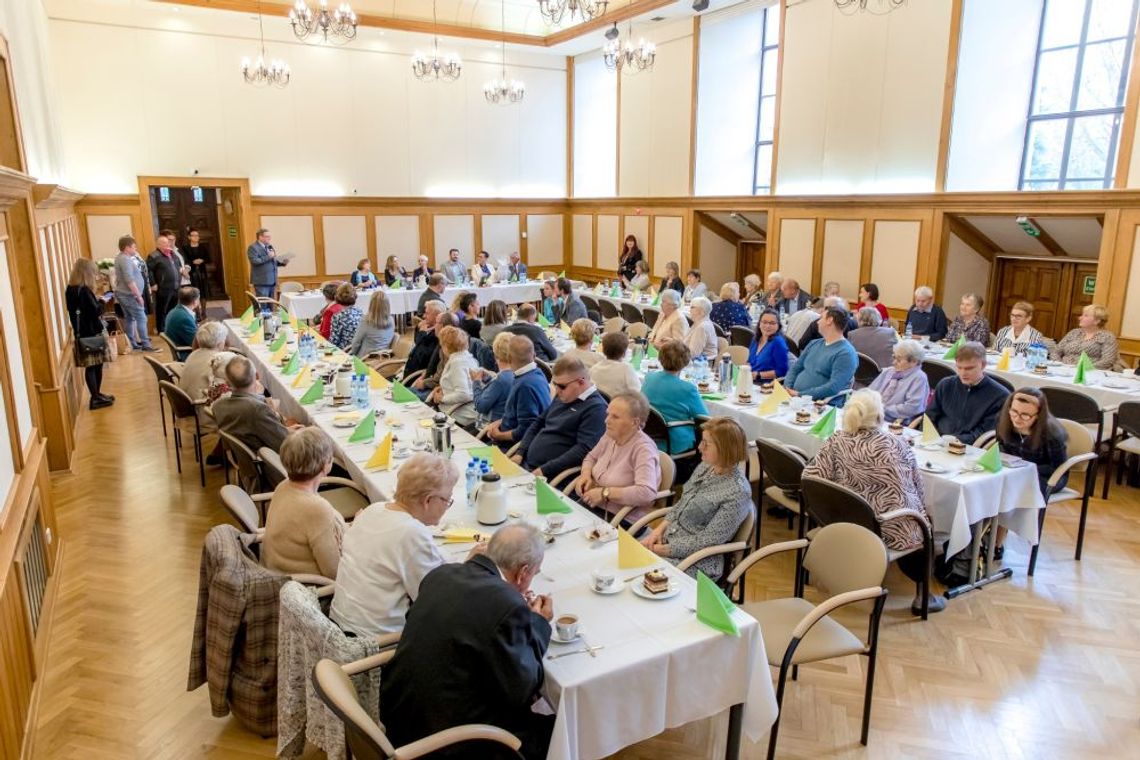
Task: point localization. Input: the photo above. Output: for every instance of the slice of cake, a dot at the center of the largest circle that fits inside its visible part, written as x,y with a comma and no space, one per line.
656,582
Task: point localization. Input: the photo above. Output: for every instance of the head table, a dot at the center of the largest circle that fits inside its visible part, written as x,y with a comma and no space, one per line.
657,666
307,304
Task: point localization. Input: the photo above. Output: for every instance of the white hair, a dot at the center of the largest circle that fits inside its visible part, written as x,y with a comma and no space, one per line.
923,291
835,301
869,316
702,303
909,349
672,297
434,305
863,411
517,545
218,363
211,335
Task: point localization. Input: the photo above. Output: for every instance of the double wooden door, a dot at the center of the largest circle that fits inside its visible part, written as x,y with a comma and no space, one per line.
1058,290
186,208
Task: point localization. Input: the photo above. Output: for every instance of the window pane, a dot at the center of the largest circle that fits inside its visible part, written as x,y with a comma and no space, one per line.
763,165
1054,86
767,117
1110,18
1100,76
768,86
1086,184
1063,22
1040,185
1092,140
1045,148
772,26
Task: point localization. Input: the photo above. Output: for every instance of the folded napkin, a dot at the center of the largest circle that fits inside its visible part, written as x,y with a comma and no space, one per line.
991,460
1084,366
315,393
401,394
366,430
714,396
304,378
632,554
929,432
278,343
714,609
382,457
953,352
359,367
825,426
651,351
247,316
549,501
376,381
543,320
462,536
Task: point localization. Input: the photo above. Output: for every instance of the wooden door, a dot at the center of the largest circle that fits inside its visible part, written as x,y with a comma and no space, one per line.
188,208
232,249
750,259
1041,283
1079,296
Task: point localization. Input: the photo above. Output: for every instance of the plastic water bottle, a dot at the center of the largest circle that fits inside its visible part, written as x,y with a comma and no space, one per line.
472,478
361,392
1033,357
909,331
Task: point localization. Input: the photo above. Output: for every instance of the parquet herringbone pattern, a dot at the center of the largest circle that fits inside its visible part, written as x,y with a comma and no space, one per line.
1047,667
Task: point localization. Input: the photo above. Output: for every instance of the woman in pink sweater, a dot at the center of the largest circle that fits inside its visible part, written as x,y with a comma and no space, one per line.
622,470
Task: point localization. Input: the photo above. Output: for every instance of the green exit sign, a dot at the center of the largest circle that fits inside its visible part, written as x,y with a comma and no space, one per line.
231,231
1088,287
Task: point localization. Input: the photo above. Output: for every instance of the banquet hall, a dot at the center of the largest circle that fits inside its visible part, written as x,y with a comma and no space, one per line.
772,362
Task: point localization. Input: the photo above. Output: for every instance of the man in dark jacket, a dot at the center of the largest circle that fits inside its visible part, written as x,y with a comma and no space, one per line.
165,279
472,650
525,325
967,405
573,424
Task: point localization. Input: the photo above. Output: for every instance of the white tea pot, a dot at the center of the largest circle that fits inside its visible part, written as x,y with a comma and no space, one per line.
491,500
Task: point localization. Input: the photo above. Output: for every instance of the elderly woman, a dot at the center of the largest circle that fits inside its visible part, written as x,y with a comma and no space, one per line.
376,329
494,321
702,338
622,470
640,279
1089,338
903,386
303,532
362,276
492,389
693,285
393,272
219,383
729,312
672,279
390,549
773,286
881,468
671,325
343,325
1019,335
768,354
871,339
614,375
582,332
969,322
197,372
455,395
716,500
753,293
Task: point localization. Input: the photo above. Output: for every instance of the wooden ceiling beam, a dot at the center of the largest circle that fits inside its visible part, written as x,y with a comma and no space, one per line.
752,226
730,235
1046,240
973,237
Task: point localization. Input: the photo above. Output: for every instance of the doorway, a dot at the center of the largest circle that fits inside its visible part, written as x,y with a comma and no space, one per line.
187,209
750,258
1058,290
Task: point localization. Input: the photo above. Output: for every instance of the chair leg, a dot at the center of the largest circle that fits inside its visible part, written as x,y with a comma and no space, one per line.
1090,488
198,451
780,684
1108,466
872,655
1037,546
162,412
928,552
178,447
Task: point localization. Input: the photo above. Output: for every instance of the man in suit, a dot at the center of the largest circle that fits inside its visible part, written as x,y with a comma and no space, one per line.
571,308
263,265
792,299
246,414
182,321
423,270
165,278
437,283
525,325
472,650
454,270
516,270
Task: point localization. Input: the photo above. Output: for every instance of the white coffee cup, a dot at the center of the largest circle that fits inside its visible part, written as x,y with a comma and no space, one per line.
566,626
603,580
554,523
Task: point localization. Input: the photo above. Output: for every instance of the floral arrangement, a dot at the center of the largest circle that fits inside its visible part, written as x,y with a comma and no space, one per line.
105,264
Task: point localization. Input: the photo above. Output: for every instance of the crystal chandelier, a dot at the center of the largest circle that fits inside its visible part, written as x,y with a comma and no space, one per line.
554,10
503,91
259,72
435,66
877,7
341,23
626,56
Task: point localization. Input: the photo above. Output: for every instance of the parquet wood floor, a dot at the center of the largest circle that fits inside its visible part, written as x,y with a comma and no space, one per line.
1047,667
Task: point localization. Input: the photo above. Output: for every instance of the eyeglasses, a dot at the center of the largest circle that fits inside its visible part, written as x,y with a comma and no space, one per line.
1023,416
564,386
449,500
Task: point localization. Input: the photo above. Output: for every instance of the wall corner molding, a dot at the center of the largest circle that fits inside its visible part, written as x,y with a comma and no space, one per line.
14,186
55,196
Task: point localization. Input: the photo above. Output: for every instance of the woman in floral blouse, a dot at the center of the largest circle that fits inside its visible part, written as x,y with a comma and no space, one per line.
729,312
970,322
342,328
1090,338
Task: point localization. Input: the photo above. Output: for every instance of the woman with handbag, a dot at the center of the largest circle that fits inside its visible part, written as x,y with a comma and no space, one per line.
92,346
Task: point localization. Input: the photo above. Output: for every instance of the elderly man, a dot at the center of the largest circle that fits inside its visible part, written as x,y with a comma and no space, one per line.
792,299
426,342
671,325
197,373
516,270
830,288
437,283
246,414
482,620
182,321
165,278
131,293
529,396
525,325
926,318
422,269
562,436
263,265
453,268
827,366
967,405
570,308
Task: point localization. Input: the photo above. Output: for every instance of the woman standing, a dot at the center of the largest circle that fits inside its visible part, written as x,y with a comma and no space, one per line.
969,322
198,254
393,272
85,312
1089,338
362,277
376,328
630,255
1019,335
768,353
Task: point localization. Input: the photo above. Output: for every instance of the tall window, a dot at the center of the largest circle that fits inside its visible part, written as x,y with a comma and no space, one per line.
766,116
1083,52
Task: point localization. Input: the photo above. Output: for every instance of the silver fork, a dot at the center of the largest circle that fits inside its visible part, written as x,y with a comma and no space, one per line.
584,650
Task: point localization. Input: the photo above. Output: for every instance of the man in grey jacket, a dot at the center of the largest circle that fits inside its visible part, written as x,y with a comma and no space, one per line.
572,308
454,270
130,292
263,265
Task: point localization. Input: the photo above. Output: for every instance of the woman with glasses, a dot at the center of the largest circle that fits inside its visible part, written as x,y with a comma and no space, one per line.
1019,335
390,549
768,353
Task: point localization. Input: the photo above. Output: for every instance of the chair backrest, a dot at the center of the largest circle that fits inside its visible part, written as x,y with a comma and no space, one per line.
740,336
178,399
244,461
829,503
845,557
271,466
637,330
783,466
161,371
389,368
241,508
365,739
292,287
1001,381
1071,404
403,347
721,346
590,303
594,316
609,309
651,314
546,370
656,428
1128,417
739,354
254,301
613,324
668,471
170,344
936,371
1080,441
631,313
866,371
720,331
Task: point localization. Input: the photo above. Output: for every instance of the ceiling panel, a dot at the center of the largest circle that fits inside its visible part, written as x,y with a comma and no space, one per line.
1079,236
1005,233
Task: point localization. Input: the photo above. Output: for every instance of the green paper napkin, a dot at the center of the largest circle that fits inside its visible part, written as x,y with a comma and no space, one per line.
735,372
548,499
283,317
651,352
293,366
315,393
1084,366
825,426
366,430
401,394
991,460
358,366
397,285
248,313
562,273
714,396
656,299
953,352
255,326
542,320
714,609
278,344
615,292
636,362
480,452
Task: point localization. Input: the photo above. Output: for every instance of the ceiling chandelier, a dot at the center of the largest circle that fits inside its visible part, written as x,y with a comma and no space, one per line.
435,66
341,23
261,72
626,56
503,91
554,10
877,7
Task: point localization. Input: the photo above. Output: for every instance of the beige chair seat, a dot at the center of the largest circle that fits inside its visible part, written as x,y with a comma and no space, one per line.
779,617
1130,445
776,494
1065,494
347,501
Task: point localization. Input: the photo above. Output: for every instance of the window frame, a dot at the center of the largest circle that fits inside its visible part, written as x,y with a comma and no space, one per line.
766,188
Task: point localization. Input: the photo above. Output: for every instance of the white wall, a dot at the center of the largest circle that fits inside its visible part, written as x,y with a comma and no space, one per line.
996,56
595,128
353,120
861,98
967,271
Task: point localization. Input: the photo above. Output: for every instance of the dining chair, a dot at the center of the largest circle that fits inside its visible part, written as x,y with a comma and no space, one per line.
1082,458
935,371
161,372
591,303
739,354
637,330
846,561
242,506
664,495
546,370
866,371
1125,439
1001,381
176,350
182,410
365,739
292,287
389,368
245,463
1078,406
403,347
720,331
741,336
651,314
613,324
733,553
826,503
631,313
721,347
657,428
609,309
345,496
783,466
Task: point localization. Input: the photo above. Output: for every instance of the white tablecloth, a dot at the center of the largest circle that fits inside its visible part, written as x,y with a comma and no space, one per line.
659,667
308,304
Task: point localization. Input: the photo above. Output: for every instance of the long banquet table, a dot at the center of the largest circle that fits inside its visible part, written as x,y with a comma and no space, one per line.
307,304
658,666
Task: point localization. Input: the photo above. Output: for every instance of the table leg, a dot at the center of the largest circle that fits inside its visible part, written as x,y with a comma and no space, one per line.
735,723
987,577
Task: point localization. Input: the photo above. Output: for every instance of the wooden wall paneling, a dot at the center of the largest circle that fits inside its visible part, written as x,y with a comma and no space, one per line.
818,241
1114,293
478,227
524,238
17,663
319,243
867,251
651,245
427,240
370,242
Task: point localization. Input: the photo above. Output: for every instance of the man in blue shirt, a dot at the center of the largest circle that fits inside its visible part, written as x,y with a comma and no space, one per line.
926,318
529,396
827,365
572,425
182,321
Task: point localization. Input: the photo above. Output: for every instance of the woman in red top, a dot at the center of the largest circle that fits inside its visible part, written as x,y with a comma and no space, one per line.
869,296
345,297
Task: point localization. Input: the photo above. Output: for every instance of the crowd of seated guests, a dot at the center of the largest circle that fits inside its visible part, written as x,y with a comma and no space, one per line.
702,337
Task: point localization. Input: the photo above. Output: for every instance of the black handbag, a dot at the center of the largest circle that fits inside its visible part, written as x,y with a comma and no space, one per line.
95,345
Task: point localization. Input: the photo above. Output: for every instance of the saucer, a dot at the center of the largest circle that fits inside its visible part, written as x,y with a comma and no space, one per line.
803,424
616,588
640,590
559,640
934,468
345,423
